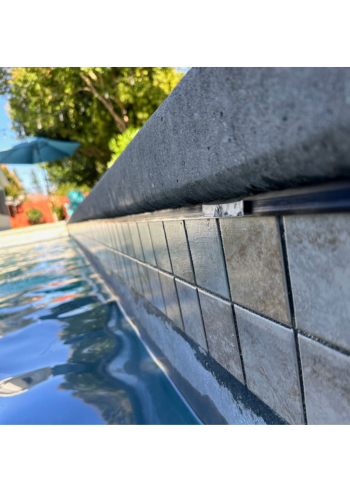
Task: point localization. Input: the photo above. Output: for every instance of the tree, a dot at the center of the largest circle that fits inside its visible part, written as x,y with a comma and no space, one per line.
15,188
89,105
35,182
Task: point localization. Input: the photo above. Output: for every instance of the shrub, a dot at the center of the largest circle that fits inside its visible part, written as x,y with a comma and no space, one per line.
34,215
58,209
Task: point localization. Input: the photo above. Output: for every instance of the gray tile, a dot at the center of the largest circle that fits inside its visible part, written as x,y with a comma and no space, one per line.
109,260
221,333
118,266
207,255
109,235
254,265
170,298
318,249
104,233
191,313
114,236
129,277
128,240
146,287
125,273
160,245
136,240
157,293
326,376
179,251
137,278
146,243
270,362
121,238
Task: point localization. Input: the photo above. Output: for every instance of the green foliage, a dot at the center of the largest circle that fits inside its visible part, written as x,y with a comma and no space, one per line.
58,209
89,105
65,187
34,215
15,188
119,143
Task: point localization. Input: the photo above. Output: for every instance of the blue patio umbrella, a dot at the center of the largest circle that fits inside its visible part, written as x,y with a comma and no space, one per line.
38,151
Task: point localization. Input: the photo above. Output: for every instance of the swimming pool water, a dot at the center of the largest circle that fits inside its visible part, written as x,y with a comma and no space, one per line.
67,353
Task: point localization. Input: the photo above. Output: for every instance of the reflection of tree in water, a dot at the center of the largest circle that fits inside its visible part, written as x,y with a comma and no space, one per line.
93,346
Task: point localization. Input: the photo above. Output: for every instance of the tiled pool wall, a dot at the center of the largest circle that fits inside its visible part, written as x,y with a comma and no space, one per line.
267,298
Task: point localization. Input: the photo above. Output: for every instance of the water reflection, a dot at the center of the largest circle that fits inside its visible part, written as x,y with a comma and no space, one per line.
67,354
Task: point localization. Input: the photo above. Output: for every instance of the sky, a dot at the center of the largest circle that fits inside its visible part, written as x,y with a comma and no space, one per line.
7,141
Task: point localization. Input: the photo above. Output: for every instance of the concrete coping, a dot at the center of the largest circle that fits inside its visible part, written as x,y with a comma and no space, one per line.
224,133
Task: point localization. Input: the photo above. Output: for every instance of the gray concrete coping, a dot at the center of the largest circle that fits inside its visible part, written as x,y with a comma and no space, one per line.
230,132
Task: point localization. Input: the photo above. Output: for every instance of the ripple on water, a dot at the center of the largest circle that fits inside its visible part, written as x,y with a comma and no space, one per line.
67,354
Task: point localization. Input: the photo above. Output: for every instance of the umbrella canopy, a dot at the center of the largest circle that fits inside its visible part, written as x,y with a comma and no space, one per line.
38,151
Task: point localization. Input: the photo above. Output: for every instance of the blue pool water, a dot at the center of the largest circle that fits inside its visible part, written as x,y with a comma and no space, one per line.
67,353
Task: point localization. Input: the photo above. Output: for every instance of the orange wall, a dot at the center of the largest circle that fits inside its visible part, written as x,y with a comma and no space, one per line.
40,202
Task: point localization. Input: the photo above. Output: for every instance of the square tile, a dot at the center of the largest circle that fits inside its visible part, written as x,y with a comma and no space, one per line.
326,376
105,234
179,251
318,249
128,240
137,278
117,264
170,299
254,265
121,238
207,255
146,287
129,277
221,334
191,312
136,241
124,270
160,245
270,362
146,242
114,236
156,288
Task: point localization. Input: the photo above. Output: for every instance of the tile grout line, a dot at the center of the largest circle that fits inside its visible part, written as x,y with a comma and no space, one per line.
190,253
178,302
323,342
232,304
167,247
202,318
288,284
